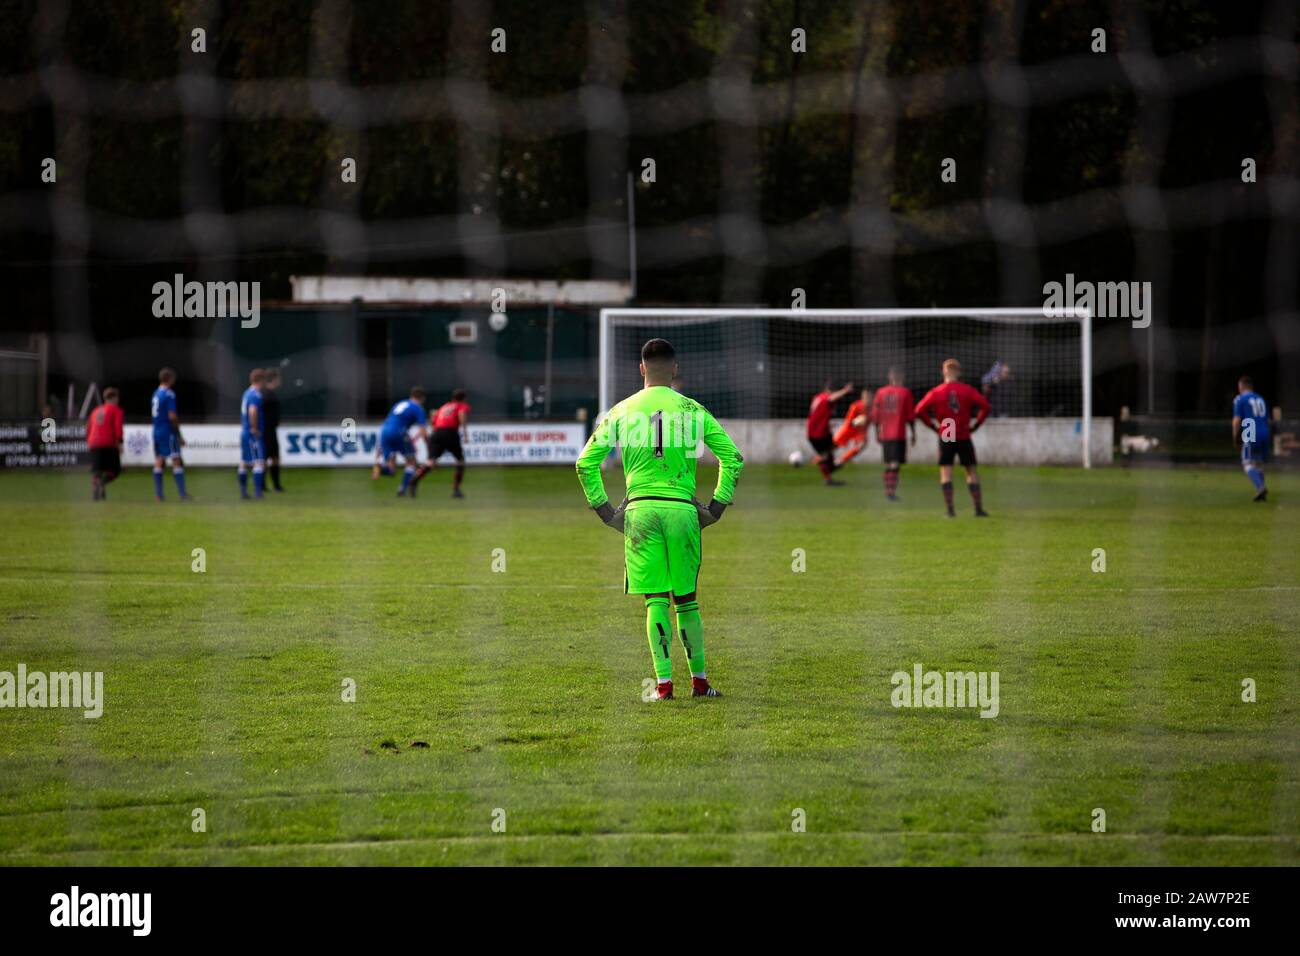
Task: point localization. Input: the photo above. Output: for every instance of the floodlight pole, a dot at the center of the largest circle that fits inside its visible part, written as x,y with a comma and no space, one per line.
550,355
631,234
1151,368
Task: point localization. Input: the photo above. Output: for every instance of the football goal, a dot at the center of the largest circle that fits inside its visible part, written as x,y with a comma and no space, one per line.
766,364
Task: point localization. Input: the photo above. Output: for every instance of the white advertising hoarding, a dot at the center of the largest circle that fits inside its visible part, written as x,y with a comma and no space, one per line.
204,445
323,445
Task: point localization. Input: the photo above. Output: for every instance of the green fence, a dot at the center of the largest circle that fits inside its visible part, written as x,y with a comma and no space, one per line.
357,360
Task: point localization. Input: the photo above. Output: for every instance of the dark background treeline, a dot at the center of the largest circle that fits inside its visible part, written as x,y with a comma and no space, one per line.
450,188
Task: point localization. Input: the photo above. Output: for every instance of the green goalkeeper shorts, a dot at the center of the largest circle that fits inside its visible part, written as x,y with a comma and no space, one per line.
661,547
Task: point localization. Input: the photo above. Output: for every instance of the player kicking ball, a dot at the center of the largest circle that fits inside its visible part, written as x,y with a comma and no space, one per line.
657,431
1250,433
819,430
395,439
951,405
853,434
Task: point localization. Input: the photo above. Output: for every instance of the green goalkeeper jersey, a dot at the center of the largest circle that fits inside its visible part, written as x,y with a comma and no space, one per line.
658,431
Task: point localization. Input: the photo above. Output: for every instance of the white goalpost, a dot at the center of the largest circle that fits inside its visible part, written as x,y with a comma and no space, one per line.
763,365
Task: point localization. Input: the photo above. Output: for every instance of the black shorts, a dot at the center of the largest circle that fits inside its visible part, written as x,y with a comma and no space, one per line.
106,460
894,449
825,445
271,444
446,440
963,450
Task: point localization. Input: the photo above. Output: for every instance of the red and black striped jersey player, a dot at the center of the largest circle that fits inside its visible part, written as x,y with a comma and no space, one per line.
893,414
948,409
819,429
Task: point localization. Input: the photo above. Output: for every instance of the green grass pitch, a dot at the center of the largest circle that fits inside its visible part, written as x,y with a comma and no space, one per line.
1119,690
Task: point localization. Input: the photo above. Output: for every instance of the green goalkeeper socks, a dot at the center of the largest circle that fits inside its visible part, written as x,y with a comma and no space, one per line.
659,630
690,628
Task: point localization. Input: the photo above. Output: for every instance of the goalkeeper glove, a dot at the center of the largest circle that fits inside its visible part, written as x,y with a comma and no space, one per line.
613,516
710,514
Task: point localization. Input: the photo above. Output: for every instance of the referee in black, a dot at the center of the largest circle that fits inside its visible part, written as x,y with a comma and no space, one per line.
271,422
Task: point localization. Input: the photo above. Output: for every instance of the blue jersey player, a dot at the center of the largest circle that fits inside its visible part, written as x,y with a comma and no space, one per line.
167,439
251,449
395,439
1250,431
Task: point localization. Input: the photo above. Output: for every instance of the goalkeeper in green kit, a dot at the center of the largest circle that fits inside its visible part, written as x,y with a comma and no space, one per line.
658,431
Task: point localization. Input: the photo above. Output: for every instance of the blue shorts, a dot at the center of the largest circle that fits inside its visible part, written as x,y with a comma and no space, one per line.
396,444
166,445
250,448
1254,452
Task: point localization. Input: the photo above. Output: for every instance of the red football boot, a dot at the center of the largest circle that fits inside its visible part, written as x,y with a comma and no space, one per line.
700,688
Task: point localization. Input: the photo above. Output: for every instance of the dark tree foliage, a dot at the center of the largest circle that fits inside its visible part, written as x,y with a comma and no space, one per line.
823,152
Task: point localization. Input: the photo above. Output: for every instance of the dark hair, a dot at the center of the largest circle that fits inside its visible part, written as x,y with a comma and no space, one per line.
166,376
657,351
1245,380
272,374
110,394
417,393
458,395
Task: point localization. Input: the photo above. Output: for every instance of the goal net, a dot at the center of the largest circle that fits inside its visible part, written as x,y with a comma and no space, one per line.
764,364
